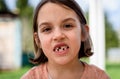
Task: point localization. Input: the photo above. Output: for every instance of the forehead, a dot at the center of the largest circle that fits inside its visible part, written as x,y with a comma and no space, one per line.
55,11
50,4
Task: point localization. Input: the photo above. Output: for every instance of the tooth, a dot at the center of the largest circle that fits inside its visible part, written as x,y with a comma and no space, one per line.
57,49
62,48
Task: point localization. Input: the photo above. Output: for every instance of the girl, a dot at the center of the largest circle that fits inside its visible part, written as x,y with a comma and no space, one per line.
61,38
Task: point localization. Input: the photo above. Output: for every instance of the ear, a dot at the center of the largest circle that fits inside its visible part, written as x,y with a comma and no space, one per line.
85,32
36,38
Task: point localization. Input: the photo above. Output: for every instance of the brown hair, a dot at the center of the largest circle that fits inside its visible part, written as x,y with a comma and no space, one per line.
85,50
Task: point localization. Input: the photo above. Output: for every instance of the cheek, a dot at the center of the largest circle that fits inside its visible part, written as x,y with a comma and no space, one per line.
45,43
76,38
43,39
75,44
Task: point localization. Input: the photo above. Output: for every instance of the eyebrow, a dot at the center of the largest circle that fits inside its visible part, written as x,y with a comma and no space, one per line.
44,23
67,19
48,23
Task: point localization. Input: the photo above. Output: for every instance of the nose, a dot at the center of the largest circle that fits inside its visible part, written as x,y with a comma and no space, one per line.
58,35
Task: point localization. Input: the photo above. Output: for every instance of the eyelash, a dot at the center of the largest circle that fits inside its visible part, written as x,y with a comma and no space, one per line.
67,26
47,29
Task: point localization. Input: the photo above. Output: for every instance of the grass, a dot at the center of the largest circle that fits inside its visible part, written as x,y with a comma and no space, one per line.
16,74
112,69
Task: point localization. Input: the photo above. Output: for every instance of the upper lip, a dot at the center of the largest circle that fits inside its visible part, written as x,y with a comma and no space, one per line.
59,45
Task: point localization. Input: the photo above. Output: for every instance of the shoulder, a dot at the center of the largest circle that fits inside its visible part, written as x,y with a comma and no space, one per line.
95,72
34,73
29,74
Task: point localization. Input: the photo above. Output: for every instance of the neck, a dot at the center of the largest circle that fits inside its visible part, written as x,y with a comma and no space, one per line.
69,69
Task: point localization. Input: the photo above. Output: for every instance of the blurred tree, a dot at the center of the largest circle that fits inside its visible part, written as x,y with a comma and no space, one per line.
25,10
111,35
111,38
3,6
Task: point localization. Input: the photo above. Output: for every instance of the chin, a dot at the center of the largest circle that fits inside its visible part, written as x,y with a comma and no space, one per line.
63,61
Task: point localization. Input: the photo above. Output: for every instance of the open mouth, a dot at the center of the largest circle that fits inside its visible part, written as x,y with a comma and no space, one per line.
61,48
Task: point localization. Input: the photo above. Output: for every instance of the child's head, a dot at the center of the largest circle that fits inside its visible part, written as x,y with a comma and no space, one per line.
85,44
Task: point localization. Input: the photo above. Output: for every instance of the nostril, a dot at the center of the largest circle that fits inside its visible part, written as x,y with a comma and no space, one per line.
58,36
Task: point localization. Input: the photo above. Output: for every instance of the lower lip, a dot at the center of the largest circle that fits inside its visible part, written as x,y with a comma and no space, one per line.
62,53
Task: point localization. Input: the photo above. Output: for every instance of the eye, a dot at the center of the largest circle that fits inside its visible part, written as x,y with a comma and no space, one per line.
47,29
67,26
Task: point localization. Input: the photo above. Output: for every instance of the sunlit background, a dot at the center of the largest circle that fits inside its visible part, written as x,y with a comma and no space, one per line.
16,42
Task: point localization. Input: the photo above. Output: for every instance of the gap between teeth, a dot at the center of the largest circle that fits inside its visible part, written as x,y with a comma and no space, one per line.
61,48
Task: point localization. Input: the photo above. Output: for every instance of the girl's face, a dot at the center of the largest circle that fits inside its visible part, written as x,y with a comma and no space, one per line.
59,33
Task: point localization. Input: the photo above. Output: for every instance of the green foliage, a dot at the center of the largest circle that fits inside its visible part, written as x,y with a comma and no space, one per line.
111,38
21,4
25,10
111,35
3,6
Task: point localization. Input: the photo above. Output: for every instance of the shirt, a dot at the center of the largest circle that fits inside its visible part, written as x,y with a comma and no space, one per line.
90,72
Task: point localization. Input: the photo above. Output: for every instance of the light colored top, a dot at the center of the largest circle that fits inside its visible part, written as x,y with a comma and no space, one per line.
90,72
